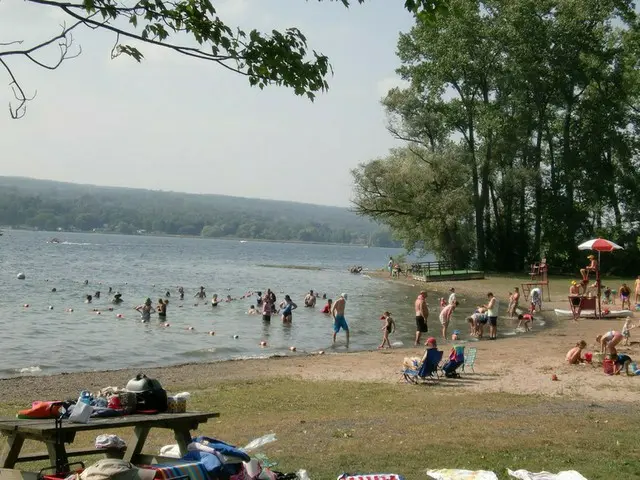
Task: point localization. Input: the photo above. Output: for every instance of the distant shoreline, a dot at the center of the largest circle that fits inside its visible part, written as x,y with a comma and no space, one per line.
170,235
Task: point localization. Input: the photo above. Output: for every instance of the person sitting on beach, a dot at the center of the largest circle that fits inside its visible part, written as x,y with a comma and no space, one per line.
201,294
431,344
214,300
388,328
514,300
445,317
146,309
287,307
117,298
608,341
625,296
620,362
526,319
536,301
252,310
327,307
592,267
310,299
626,330
574,356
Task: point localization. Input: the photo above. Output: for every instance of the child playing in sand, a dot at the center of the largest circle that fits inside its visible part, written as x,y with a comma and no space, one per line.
620,362
526,319
574,356
625,330
388,328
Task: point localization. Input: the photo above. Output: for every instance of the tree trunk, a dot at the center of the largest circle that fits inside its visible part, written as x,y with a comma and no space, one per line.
537,228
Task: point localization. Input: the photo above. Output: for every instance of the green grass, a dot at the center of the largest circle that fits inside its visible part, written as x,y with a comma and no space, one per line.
334,427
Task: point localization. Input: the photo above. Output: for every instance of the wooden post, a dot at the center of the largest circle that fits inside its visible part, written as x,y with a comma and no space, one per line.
136,443
11,451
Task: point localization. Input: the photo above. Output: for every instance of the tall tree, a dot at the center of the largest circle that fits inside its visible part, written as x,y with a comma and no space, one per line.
543,97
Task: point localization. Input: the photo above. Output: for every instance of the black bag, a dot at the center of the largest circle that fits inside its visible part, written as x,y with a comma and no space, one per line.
149,393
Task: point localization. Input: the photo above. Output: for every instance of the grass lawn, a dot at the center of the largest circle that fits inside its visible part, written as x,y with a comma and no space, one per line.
332,427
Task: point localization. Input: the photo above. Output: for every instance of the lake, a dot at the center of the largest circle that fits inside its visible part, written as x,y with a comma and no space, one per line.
46,337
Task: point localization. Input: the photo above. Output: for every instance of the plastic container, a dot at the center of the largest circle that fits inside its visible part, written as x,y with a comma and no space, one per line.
85,397
608,366
588,357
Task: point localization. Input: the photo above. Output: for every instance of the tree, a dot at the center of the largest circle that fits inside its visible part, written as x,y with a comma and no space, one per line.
543,97
423,196
191,28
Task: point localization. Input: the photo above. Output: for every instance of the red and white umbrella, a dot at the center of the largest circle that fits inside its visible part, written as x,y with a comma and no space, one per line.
599,245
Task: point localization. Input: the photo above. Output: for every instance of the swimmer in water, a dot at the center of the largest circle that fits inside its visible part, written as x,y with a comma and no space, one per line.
201,294
145,310
181,292
88,299
117,298
310,300
110,290
252,310
86,282
287,308
162,309
96,295
53,290
167,294
214,300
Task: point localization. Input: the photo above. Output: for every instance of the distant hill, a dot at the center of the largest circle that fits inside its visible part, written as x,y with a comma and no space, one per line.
49,205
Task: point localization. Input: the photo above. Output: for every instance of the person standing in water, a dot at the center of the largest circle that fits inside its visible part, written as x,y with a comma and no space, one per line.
492,315
181,292
146,309
310,299
287,307
267,307
422,314
339,322
201,294
162,308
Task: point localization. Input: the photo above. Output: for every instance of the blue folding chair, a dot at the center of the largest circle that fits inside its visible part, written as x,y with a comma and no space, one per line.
428,371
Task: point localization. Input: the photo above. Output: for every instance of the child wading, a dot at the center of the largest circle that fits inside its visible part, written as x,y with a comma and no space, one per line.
388,327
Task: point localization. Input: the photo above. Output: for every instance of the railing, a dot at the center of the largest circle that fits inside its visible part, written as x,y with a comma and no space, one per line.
429,269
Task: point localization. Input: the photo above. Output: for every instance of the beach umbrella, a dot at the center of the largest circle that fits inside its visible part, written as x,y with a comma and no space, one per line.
599,245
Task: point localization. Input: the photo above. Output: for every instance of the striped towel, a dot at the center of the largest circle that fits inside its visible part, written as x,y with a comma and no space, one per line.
373,476
195,471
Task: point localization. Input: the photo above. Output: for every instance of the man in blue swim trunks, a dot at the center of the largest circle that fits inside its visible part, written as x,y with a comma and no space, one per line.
339,322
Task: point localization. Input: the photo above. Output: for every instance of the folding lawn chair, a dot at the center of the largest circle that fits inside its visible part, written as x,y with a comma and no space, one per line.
470,359
427,371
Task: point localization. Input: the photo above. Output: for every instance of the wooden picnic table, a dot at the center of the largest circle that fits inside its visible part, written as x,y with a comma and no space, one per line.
16,431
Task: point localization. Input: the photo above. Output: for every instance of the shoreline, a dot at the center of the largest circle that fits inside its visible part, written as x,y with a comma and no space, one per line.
520,364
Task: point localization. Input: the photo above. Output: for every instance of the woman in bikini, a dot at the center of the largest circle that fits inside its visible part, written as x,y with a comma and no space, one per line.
608,341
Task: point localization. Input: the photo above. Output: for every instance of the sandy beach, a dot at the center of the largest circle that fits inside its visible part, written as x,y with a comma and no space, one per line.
519,365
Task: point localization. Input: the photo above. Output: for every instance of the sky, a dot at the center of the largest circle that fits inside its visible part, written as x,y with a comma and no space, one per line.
179,124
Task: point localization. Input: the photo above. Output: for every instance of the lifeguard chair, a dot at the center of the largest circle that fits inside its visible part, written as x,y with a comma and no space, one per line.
539,275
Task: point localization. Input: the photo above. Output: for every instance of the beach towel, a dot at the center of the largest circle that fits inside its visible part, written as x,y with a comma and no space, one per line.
195,471
452,474
525,475
371,476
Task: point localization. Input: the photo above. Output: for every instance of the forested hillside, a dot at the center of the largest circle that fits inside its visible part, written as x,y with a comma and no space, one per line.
48,205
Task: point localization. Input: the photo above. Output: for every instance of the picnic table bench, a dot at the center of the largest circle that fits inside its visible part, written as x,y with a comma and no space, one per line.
16,431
